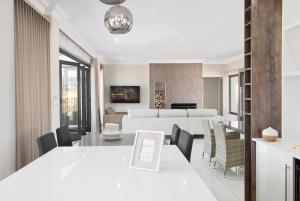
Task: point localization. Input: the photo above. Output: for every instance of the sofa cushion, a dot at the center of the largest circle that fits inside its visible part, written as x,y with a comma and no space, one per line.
172,113
202,112
146,113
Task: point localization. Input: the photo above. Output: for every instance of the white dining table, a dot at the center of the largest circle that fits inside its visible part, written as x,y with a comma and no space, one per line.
102,173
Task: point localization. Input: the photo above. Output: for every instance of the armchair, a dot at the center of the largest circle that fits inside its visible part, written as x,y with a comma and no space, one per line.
209,141
229,150
111,116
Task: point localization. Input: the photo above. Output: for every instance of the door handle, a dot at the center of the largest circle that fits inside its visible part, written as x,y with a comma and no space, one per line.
286,182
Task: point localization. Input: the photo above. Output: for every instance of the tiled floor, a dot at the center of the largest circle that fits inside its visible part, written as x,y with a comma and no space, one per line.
230,188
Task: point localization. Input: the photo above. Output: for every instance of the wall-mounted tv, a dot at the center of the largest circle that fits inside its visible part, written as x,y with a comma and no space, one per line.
125,94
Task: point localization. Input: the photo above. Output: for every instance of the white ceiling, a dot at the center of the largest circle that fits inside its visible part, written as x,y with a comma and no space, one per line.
164,30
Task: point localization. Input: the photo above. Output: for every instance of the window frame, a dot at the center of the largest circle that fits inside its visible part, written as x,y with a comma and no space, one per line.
230,109
81,66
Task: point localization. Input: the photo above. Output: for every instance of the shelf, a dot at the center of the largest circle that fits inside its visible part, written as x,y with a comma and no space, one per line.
249,53
248,84
247,106
246,113
247,24
248,15
249,8
248,99
248,77
247,46
247,32
247,39
248,3
248,62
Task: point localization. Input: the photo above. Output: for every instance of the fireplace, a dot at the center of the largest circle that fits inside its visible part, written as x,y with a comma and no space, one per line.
184,106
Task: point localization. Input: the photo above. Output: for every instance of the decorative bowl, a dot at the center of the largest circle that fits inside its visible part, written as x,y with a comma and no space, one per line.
270,134
270,138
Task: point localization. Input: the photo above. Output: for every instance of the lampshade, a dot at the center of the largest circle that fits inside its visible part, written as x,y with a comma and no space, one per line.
113,2
118,20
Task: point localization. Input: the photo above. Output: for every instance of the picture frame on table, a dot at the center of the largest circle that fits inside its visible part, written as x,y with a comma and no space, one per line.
146,153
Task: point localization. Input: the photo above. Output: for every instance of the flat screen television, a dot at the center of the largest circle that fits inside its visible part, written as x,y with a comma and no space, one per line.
125,94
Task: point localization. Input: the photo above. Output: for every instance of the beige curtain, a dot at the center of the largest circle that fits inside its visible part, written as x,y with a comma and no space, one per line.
101,95
32,68
96,68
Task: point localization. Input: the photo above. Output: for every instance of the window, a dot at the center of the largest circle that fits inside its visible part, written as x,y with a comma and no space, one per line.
75,94
233,94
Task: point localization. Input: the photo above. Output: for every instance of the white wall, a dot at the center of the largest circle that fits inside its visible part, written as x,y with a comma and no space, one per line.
213,93
224,70
7,90
290,84
291,15
291,49
54,67
213,70
290,68
135,74
291,107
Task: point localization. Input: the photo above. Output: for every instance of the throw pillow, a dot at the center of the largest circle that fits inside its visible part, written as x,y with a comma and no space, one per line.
109,110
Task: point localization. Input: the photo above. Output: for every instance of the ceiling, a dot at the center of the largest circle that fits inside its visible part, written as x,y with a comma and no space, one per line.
164,30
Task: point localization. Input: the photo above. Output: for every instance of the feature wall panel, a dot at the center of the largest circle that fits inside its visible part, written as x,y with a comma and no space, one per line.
184,82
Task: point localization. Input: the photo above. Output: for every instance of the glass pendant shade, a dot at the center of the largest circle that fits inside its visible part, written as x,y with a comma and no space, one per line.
118,20
112,2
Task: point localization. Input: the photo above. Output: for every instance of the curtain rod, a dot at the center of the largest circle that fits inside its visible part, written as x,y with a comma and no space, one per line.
75,43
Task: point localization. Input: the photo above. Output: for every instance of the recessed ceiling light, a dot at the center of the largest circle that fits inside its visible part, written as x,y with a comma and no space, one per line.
122,57
181,39
116,40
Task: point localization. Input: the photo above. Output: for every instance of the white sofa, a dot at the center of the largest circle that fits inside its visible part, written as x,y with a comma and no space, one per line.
163,120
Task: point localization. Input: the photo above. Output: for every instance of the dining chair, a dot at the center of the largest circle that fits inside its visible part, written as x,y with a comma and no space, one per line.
46,143
185,144
74,136
175,134
63,137
209,141
229,150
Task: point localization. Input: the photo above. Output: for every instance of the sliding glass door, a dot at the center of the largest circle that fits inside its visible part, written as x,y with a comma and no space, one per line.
70,96
75,104
85,89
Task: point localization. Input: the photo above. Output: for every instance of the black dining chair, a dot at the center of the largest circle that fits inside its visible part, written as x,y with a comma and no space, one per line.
185,144
63,137
46,143
175,135
74,136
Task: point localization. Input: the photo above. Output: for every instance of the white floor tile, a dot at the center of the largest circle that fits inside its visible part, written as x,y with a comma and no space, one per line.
230,188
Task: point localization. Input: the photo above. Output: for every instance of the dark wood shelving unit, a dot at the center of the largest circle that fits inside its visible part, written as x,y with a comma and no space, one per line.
262,67
248,57
248,90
